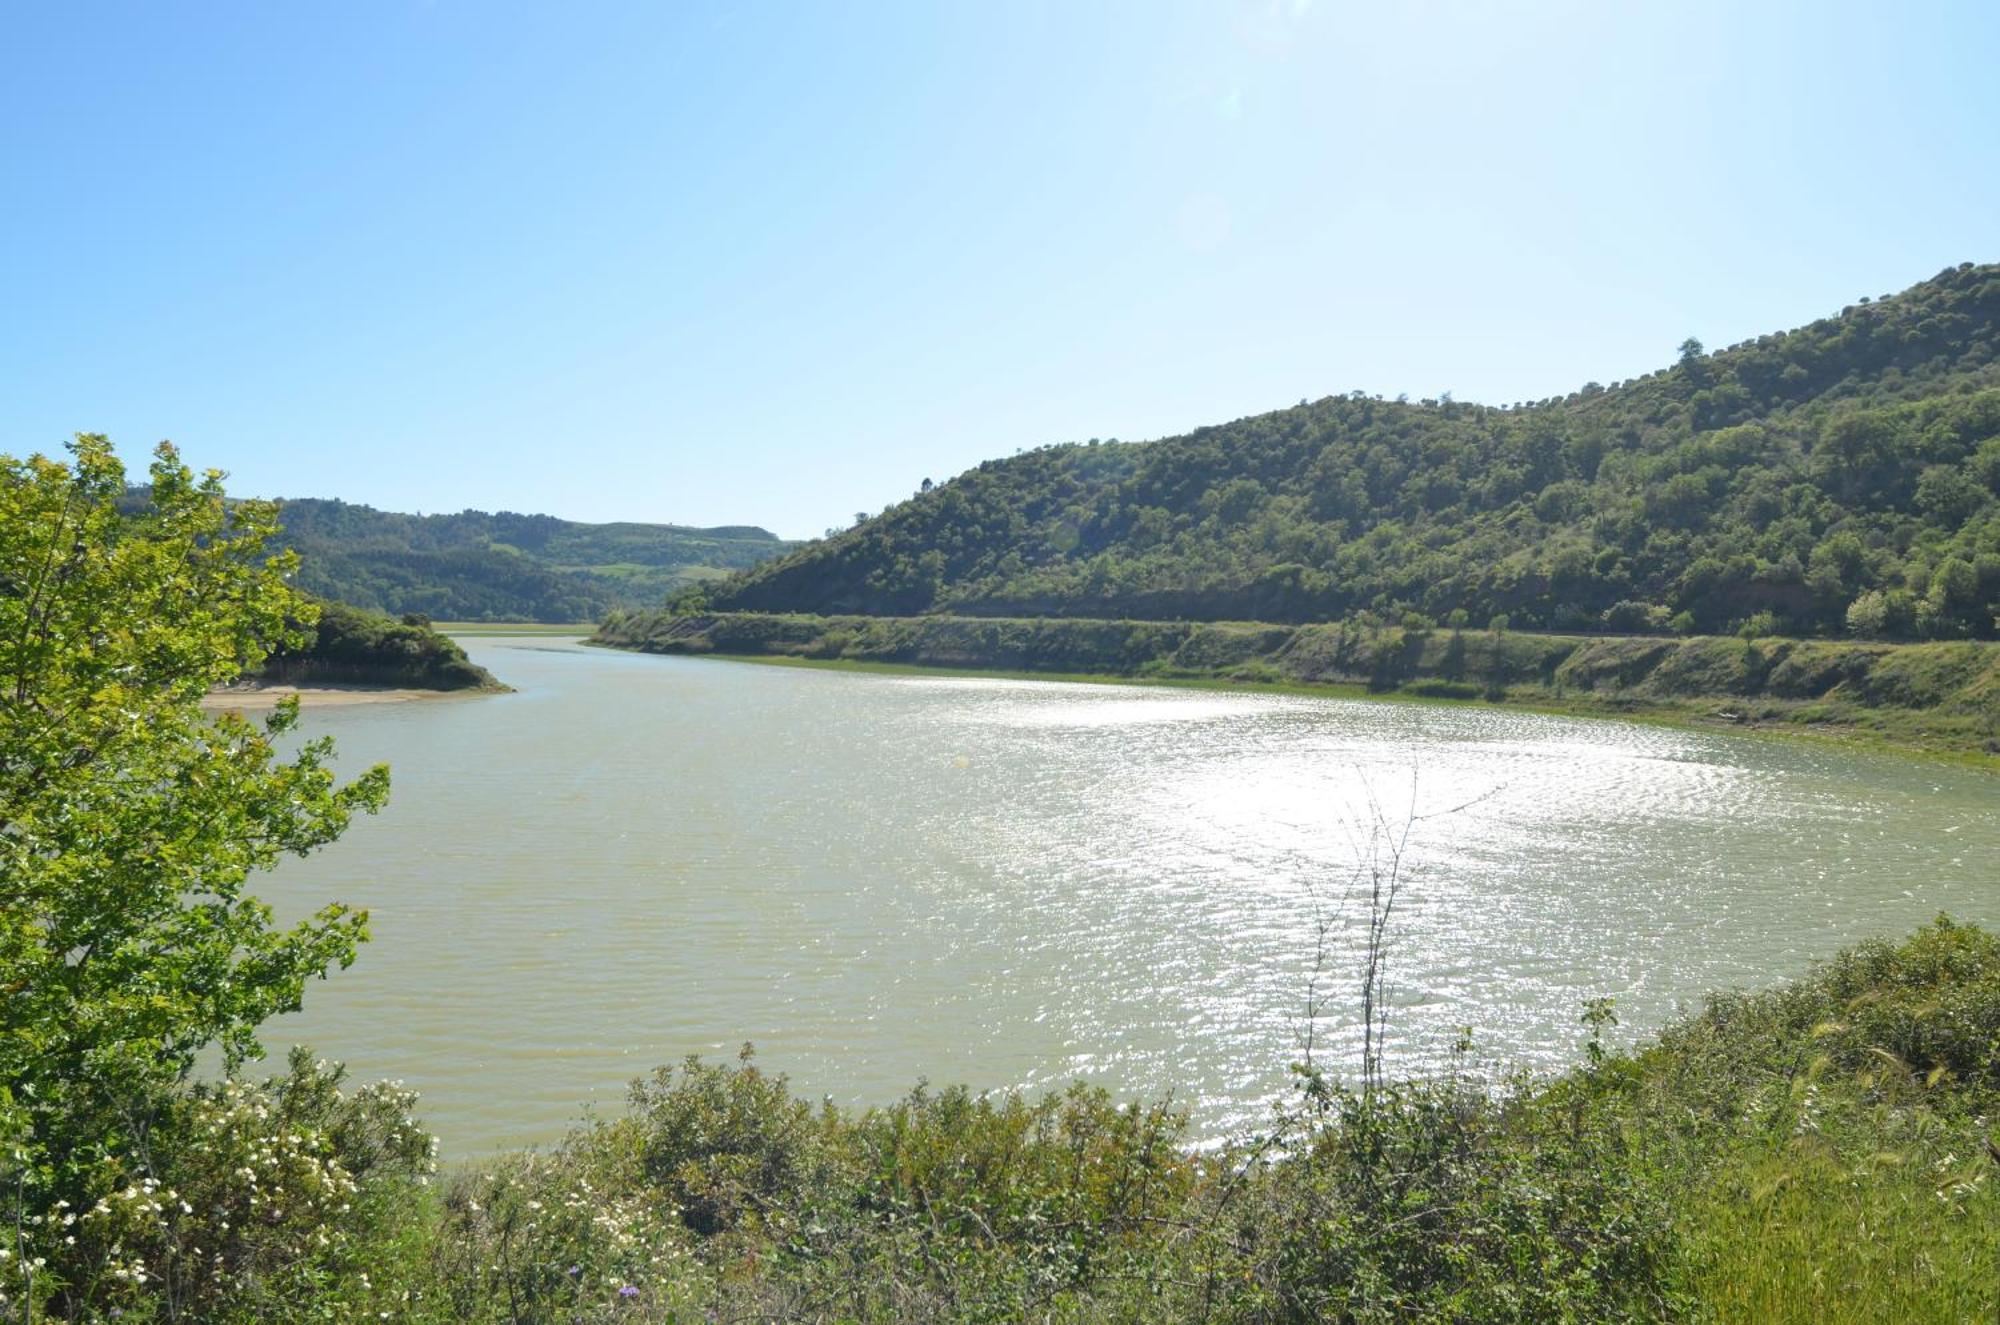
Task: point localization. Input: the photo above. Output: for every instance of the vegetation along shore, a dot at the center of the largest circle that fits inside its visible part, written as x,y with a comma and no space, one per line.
1934,696
1800,531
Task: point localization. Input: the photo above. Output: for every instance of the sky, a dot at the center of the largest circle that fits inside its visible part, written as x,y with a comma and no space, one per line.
776,264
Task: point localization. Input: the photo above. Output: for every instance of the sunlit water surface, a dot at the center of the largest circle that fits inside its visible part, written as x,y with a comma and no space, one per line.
882,879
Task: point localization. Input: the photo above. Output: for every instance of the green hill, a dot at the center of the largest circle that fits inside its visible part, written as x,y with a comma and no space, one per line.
475,566
1839,477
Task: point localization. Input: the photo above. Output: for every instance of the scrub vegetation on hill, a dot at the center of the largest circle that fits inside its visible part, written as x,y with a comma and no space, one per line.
1843,477
346,645
475,566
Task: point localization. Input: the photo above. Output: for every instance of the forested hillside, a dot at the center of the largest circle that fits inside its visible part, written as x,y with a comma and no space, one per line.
1842,477
473,566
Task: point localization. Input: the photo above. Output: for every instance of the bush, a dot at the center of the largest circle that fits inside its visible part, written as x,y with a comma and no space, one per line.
1634,618
722,1195
1438,1201
1443,690
245,1203
1882,613
1760,625
349,646
1808,1152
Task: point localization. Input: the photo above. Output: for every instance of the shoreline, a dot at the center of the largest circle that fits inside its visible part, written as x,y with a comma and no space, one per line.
260,698
1934,699
521,629
1694,715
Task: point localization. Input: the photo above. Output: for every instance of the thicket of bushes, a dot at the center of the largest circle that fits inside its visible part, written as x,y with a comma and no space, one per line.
351,646
1812,1153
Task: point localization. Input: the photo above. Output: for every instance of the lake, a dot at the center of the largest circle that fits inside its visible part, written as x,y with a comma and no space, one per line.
881,879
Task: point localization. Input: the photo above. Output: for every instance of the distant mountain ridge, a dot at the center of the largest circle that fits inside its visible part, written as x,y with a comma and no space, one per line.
1844,476
503,566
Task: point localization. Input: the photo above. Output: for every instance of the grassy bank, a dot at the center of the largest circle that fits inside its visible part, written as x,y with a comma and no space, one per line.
1934,696
1818,1152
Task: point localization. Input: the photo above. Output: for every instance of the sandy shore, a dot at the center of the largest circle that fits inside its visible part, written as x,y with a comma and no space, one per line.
256,698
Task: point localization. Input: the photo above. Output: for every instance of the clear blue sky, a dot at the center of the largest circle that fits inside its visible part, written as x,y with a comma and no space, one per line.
776,263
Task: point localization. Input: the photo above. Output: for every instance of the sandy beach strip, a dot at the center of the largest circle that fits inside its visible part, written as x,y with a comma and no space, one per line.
257,698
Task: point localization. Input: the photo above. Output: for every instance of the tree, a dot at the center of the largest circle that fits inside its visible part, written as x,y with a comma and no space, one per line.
1948,494
1694,371
130,821
1954,597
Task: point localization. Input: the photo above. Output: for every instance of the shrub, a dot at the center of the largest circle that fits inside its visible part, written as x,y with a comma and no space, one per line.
1880,613
1760,625
1443,690
1628,617
245,1202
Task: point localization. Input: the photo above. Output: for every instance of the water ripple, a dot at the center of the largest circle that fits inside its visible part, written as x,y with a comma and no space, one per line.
883,879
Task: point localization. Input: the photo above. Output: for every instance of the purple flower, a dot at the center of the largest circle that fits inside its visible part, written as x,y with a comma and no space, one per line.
628,1291
574,1271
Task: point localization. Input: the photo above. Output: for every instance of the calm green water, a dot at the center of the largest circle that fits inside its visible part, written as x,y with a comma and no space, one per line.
882,879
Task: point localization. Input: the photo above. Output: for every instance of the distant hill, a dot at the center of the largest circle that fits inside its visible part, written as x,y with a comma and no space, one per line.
1842,476
475,566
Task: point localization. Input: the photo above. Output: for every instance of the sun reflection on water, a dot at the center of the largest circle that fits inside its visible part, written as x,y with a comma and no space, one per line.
883,879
